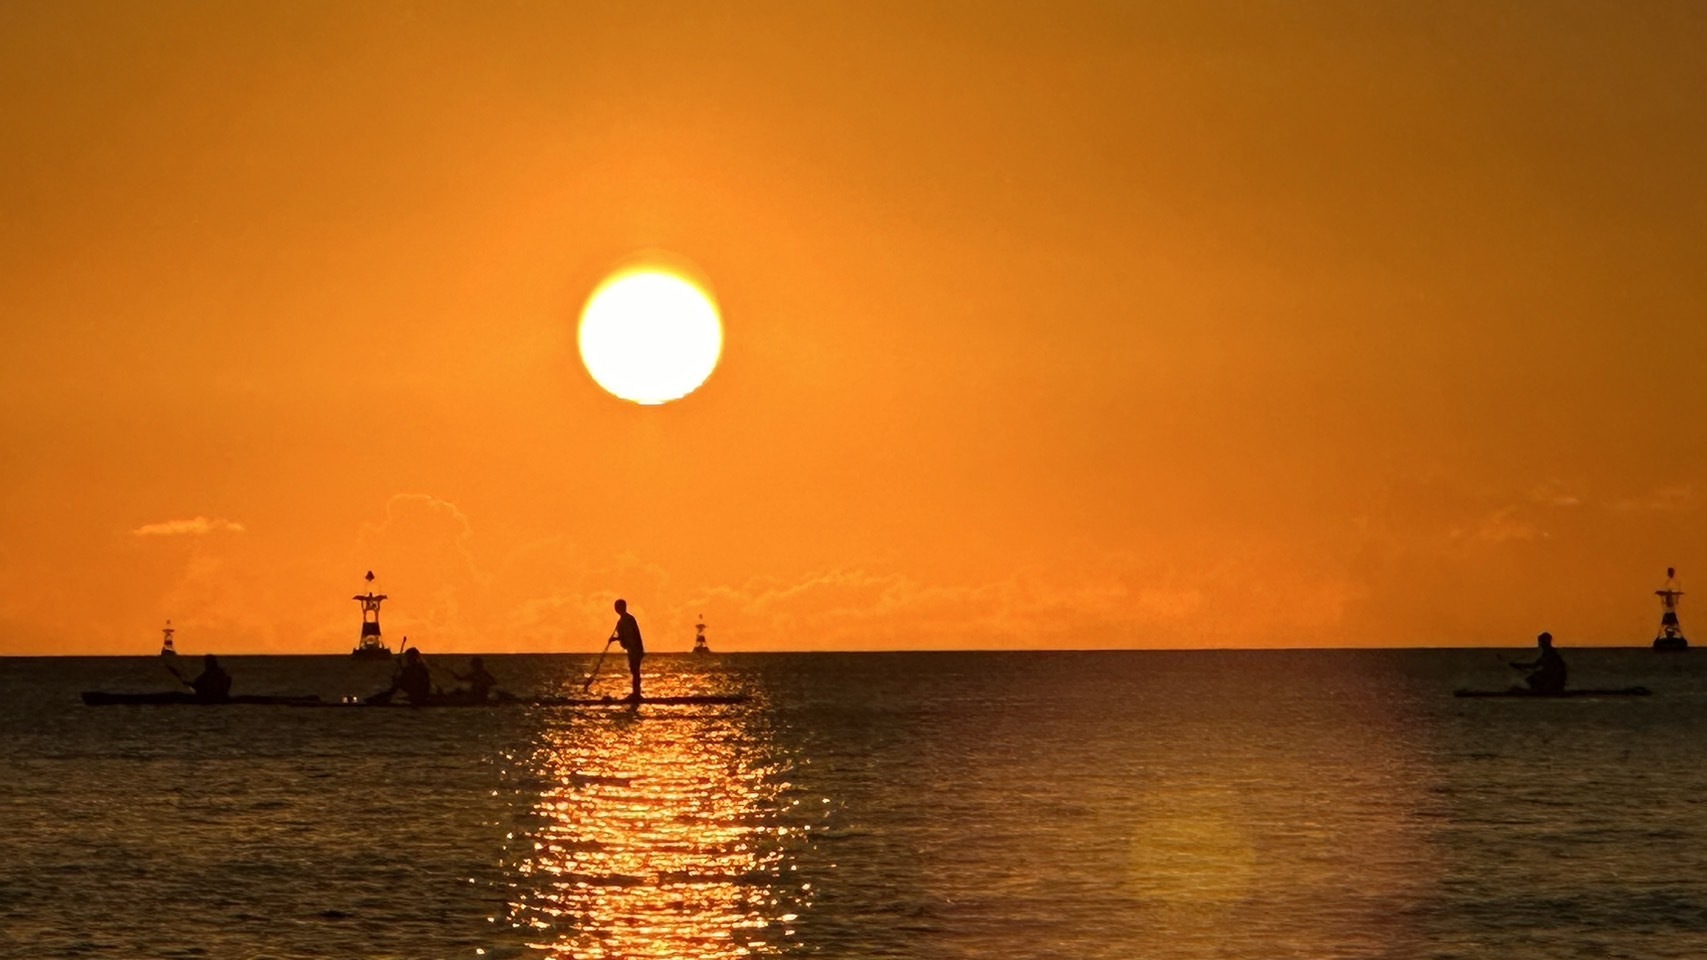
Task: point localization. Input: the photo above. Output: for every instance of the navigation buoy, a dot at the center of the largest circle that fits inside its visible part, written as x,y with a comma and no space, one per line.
1670,636
370,646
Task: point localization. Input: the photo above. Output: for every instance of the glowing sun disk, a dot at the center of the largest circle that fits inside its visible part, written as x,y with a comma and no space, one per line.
650,336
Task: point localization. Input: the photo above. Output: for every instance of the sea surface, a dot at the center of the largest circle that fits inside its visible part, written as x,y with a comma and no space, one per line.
1122,805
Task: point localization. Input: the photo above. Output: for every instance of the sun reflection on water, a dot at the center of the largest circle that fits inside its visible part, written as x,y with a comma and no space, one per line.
657,833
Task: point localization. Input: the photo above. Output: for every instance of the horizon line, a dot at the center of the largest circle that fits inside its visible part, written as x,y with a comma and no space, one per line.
895,650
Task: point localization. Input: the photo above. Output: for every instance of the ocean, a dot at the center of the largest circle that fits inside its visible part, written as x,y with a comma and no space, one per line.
1124,805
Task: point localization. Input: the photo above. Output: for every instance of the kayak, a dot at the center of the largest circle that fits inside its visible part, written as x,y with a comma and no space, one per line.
1519,693
97,698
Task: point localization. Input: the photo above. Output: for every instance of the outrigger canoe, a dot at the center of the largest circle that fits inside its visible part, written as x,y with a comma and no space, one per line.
96,698
1520,693
451,701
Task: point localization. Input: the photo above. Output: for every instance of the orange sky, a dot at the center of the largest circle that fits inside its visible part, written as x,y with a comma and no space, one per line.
1069,325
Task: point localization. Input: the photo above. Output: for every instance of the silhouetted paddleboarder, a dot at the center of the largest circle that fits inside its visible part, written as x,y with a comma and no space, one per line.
628,635
1546,671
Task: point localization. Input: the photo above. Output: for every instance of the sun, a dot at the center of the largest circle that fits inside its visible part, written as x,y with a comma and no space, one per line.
650,335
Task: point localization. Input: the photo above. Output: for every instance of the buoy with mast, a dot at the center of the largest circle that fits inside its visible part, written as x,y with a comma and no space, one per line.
166,648
1670,636
699,637
370,646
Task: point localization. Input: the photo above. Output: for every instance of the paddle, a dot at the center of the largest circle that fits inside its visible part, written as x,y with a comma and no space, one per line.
181,678
442,672
598,663
212,693
384,696
446,677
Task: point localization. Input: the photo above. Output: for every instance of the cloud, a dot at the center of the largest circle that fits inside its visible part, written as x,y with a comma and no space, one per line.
1671,499
196,526
550,595
1553,494
1130,604
419,521
422,554
1499,526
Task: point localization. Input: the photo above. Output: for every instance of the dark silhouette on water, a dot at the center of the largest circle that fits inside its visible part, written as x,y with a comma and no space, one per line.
628,635
1521,693
1670,636
411,679
213,685
480,683
1546,671
1547,679
99,698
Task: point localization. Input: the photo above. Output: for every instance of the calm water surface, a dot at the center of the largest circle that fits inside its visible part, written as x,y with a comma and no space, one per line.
1088,805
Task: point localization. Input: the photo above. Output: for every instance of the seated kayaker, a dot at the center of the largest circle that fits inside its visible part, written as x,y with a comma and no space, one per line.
214,684
1546,671
480,683
411,678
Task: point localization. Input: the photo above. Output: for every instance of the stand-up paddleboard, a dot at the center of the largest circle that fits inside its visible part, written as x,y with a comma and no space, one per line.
1520,693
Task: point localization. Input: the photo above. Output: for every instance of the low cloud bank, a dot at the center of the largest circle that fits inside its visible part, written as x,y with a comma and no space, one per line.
194,527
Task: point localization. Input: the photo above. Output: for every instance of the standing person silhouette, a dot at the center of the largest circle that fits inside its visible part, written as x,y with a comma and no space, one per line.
628,634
